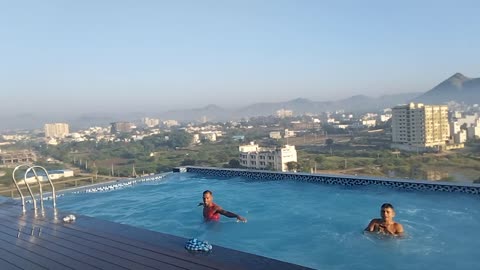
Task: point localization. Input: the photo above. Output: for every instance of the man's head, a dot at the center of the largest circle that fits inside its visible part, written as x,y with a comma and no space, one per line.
207,197
387,212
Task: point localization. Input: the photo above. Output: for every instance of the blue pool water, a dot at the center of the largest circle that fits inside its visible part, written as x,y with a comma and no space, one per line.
315,225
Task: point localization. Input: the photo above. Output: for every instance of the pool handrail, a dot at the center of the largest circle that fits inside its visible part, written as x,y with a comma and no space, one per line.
49,181
34,201
18,187
39,187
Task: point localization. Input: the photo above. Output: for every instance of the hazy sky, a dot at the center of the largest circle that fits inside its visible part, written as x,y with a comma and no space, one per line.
84,56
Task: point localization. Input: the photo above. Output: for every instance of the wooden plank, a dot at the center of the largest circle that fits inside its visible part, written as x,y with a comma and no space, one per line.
20,263
100,254
117,253
5,265
116,241
9,243
141,242
94,257
44,252
155,261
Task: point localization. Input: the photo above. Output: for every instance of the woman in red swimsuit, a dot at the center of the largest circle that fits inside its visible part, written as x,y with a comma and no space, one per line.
212,211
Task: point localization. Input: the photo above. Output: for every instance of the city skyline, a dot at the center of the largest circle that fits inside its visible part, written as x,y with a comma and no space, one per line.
79,58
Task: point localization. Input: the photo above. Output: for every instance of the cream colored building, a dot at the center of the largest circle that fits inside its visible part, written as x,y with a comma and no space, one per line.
275,135
256,157
419,127
150,122
56,130
282,113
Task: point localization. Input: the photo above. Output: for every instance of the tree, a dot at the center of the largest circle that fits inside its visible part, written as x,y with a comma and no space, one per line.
319,159
234,163
179,139
292,166
329,142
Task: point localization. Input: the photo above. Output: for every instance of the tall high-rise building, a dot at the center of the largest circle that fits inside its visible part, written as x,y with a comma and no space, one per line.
420,127
56,130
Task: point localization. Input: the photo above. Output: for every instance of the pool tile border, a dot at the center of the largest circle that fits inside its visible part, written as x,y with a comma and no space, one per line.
343,180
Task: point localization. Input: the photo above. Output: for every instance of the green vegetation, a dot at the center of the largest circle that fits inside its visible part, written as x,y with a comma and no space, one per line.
159,153
342,155
384,162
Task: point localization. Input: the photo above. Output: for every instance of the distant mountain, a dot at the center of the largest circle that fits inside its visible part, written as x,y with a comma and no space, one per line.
457,88
359,103
210,112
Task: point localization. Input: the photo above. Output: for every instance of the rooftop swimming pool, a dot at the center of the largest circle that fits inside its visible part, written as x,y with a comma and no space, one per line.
310,224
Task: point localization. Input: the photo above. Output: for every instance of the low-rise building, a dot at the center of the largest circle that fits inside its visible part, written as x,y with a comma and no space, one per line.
289,133
121,127
150,122
17,157
275,135
255,157
209,135
284,113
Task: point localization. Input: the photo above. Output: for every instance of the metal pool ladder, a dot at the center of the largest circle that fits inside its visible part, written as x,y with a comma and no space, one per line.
34,201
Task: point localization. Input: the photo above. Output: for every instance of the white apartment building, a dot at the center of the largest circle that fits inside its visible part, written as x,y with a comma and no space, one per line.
170,123
460,136
419,127
284,113
368,122
473,132
150,122
468,120
385,117
255,157
289,133
56,130
454,128
196,138
209,135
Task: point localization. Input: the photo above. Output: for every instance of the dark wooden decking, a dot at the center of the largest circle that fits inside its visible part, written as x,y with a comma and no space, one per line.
27,242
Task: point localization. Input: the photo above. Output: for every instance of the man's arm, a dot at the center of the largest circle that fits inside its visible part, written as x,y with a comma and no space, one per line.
371,225
230,214
398,229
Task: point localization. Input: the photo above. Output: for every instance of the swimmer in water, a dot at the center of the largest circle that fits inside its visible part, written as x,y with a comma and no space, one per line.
212,211
385,225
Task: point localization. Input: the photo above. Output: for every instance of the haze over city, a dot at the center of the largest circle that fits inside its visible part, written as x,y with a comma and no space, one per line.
332,134
70,58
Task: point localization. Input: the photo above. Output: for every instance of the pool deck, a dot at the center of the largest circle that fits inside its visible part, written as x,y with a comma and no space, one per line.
29,242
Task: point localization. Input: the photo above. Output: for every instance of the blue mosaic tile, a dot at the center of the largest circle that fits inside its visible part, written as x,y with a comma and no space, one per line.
336,180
